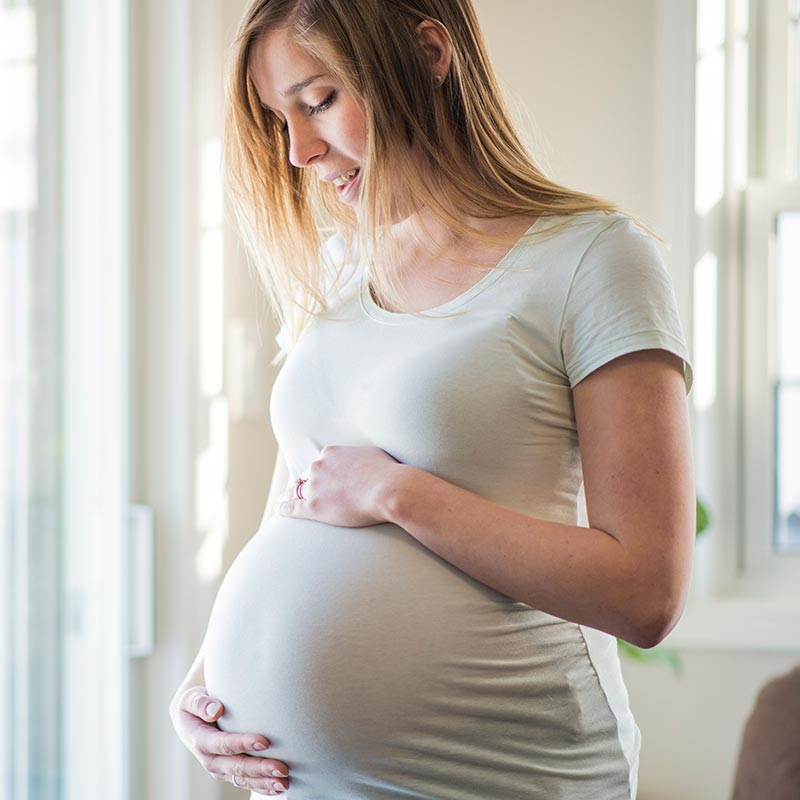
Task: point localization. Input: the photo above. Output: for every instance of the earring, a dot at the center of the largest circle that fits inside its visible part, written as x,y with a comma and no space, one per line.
438,79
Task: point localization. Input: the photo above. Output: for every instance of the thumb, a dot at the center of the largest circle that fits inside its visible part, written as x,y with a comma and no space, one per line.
285,508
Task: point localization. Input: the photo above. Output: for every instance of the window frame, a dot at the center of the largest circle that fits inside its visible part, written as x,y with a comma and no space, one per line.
742,597
95,176
761,565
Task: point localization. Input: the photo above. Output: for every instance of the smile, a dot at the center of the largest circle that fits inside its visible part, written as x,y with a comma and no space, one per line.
345,177
348,185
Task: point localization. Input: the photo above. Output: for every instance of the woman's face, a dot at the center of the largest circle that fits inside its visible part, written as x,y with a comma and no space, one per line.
325,123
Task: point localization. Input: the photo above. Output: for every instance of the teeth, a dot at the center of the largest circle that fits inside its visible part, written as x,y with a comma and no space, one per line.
345,177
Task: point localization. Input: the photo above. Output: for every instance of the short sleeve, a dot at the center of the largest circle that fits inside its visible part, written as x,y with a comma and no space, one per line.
621,300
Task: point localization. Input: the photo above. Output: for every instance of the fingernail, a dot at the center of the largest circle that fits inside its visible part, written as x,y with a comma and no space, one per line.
286,507
278,774
279,787
259,746
212,709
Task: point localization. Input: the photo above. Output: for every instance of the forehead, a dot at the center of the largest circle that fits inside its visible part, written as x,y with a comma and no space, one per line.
277,64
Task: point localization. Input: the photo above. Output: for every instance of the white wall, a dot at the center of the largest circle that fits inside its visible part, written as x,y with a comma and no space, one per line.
585,74
691,723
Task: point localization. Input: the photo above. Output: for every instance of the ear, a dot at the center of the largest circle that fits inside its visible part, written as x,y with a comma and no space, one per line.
435,42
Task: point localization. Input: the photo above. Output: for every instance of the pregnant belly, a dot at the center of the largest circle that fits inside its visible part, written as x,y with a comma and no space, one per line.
362,656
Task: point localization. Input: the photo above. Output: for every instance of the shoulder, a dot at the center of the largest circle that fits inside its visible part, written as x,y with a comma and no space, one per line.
620,298
565,242
589,230
614,249
571,256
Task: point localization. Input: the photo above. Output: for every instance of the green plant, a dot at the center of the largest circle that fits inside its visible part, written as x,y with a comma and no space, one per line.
663,655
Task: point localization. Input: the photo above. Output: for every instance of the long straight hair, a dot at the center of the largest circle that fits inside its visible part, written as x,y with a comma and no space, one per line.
420,136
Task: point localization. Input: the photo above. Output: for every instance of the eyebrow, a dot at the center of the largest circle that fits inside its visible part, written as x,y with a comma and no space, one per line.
298,87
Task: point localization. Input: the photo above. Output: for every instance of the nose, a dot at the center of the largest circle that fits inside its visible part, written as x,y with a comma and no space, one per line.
304,144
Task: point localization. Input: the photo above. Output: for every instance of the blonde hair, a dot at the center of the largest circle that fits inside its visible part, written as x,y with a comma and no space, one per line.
371,47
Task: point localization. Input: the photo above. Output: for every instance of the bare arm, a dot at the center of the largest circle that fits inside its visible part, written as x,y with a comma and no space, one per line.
626,574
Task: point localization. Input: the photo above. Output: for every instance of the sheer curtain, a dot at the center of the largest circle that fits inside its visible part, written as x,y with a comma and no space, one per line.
63,429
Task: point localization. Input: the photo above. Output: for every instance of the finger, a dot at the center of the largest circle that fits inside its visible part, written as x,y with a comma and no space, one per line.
263,789
268,790
210,739
291,490
196,701
246,776
286,508
202,708
271,792
248,767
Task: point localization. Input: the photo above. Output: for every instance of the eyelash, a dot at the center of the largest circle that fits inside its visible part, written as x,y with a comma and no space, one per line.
312,110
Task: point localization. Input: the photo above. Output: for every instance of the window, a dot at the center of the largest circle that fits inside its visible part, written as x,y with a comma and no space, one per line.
30,418
744,233
786,513
771,515
63,457
793,78
771,505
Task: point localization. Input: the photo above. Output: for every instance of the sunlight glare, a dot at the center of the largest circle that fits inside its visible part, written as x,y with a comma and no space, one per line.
18,109
705,332
710,25
211,504
710,132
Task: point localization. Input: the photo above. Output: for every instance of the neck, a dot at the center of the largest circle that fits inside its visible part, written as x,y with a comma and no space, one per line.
424,234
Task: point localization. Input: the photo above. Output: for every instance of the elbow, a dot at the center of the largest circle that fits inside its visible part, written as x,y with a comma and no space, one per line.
659,605
651,633
654,626
659,600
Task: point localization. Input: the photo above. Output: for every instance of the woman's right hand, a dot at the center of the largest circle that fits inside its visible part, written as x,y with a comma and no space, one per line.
224,755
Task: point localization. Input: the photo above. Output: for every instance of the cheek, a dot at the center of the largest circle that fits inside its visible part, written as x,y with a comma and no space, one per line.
354,130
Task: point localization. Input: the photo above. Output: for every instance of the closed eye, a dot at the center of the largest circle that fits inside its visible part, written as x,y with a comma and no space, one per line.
312,110
323,106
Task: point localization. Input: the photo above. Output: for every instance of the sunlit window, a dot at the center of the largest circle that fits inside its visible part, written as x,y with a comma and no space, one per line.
794,79
710,105
30,422
787,388
705,332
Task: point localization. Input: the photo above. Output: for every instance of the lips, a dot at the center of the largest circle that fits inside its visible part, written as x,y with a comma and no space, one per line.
346,190
345,177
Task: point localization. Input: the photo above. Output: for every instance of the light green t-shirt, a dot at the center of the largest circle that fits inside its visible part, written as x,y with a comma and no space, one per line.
377,669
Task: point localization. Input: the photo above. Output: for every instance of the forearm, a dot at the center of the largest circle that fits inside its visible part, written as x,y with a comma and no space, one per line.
580,574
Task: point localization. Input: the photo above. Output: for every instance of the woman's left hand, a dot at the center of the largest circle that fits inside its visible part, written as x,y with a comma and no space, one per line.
343,486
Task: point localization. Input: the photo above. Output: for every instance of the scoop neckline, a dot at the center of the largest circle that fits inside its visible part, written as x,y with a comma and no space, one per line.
373,310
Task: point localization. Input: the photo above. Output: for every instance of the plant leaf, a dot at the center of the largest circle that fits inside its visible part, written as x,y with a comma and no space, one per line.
654,655
703,518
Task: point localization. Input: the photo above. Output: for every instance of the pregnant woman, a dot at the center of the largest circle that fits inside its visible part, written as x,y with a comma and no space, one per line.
484,470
